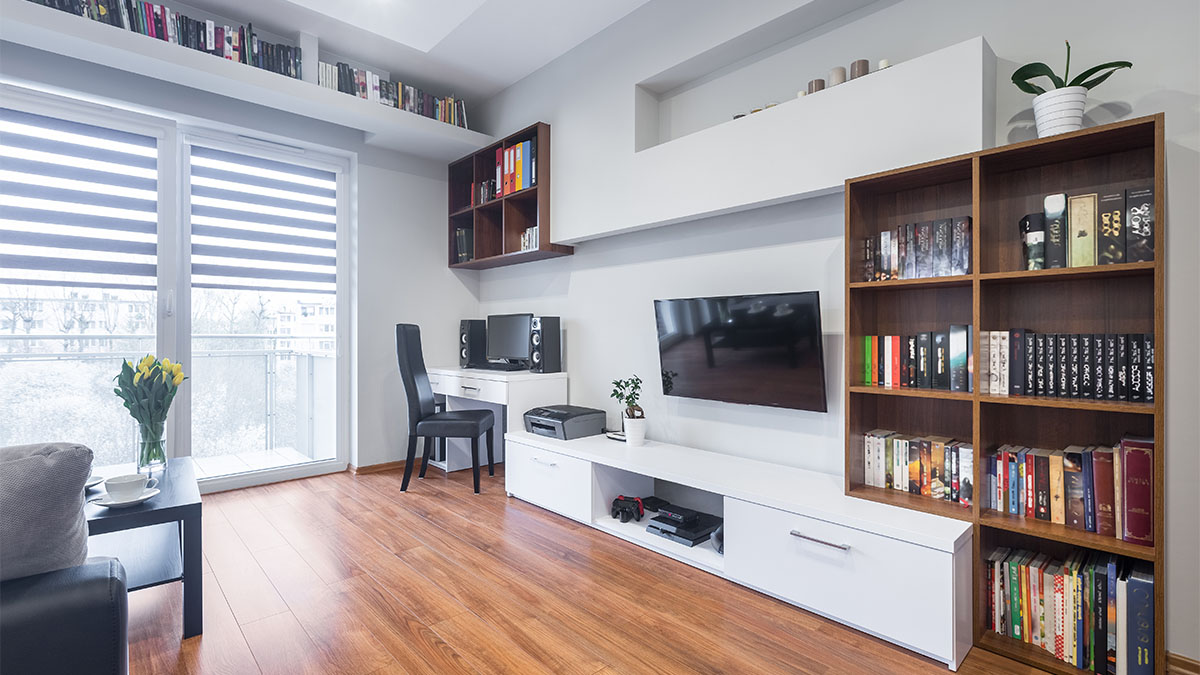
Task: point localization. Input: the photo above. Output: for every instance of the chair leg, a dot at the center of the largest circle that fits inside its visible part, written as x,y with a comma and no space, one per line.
408,463
425,459
475,461
491,462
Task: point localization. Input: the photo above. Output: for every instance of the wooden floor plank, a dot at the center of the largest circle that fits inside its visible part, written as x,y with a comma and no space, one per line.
282,647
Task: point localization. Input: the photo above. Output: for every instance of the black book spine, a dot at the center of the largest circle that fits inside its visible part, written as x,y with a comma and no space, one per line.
1063,366
1043,363
1030,374
1110,239
1056,230
924,363
910,353
1052,364
902,376
941,360
1139,224
1033,240
1110,367
1148,364
1122,367
1016,362
1137,369
1087,370
881,362
1073,364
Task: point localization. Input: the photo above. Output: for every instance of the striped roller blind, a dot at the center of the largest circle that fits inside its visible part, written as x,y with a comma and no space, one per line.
261,224
78,204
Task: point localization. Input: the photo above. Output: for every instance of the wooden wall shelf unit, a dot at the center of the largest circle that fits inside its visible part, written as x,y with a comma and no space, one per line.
498,224
997,187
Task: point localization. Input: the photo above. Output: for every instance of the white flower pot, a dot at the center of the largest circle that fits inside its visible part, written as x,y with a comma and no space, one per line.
635,431
1059,110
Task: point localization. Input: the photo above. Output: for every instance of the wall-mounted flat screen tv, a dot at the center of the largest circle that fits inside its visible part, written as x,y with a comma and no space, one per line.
753,349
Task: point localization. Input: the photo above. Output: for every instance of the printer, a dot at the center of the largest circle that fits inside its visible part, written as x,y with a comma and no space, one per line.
565,422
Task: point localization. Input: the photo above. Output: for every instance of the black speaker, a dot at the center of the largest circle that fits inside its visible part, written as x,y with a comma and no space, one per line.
545,345
472,342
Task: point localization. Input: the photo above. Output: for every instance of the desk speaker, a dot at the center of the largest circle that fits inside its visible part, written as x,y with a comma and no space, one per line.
545,345
472,342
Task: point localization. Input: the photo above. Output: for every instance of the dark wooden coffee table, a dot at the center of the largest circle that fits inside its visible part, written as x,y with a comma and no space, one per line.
157,541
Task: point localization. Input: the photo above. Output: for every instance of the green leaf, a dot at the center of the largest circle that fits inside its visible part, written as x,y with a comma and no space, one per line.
1081,80
1022,75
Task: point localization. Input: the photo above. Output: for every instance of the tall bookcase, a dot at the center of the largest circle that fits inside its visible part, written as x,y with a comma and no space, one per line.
497,224
997,187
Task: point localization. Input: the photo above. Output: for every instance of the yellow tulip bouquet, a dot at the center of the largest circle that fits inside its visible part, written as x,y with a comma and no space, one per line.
147,390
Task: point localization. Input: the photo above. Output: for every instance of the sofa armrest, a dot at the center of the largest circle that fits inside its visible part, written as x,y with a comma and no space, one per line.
72,620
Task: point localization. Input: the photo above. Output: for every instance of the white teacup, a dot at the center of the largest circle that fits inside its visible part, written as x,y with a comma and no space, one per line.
127,487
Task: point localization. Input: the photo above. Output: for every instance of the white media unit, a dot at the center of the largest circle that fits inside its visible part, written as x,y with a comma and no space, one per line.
789,533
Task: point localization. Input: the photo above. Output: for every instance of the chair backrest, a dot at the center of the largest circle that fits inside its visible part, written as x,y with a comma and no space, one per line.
412,372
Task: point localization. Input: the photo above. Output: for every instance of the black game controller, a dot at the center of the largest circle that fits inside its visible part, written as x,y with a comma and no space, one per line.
627,508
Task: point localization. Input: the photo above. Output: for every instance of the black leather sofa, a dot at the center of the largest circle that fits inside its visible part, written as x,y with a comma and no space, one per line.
73,620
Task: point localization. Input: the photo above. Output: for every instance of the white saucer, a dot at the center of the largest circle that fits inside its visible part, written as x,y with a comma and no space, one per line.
107,500
93,481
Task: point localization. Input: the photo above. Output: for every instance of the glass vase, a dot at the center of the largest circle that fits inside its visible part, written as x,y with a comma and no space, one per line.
152,450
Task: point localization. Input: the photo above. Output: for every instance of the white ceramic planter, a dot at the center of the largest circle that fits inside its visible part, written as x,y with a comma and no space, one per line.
635,431
1059,110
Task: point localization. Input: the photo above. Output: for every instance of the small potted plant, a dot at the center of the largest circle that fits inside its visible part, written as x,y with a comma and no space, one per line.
627,392
1060,109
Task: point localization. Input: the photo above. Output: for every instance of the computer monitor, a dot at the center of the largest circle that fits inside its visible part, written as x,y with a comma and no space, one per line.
508,336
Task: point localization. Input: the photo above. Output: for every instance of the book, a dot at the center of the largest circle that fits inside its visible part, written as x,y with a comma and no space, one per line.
900,449
925,455
1054,209
1139,224
1003,351
985,371
1058,502
1033,574
1040,375
1123,624
941,360
938,487
885,248
1051,364
964,463
943,241
1134,344
924,252
1073,486
887,361
1033,240
950,472
1062,364
1087,369
1137,499
959,339
1089,490
1118,493
1014,488
1081,220
1110,367
1139,617
924,360
895,360
1073,364
910,361
960,246
1122,367
1148,367
1110,232
867,369
1041,488
1103,487
995,375
1097,362
914,465
995,589
1017,362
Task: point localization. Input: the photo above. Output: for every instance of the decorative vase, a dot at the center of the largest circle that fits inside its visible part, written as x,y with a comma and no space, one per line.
815,85
635,430
837,75
152,449
1059,110
859,68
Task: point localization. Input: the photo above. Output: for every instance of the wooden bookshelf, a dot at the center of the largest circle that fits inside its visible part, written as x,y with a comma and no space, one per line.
497,224
996,187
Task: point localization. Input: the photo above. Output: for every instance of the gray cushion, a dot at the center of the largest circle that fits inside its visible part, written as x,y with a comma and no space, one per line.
42,526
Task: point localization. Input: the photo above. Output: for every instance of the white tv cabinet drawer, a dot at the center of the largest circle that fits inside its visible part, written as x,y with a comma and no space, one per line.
556,482
870,581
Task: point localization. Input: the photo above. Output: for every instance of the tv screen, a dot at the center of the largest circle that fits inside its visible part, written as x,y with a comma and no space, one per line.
508,336
754,349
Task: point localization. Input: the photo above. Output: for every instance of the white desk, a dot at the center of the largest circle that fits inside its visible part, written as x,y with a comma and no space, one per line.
506,393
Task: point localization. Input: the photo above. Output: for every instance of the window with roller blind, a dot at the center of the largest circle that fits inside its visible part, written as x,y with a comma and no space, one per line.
78,277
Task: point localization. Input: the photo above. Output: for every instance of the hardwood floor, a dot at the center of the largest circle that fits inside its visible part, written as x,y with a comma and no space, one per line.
346,574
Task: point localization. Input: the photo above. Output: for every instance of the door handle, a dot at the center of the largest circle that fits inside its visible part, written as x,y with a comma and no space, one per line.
840,547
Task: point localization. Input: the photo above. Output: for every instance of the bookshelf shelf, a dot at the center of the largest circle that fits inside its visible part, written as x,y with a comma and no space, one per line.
996,188
1072,403
497,225
914,393
1062,533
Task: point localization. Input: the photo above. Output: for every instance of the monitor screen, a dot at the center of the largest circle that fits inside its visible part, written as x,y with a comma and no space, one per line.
508,336
754,349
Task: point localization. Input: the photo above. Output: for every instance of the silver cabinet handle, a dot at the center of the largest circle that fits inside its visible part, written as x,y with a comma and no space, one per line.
466,388
840,547
543,462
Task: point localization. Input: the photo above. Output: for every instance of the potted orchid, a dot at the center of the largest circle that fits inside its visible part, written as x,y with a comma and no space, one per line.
147,390
1060,109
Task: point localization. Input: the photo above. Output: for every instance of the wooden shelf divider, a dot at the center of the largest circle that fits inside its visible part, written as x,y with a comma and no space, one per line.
996,188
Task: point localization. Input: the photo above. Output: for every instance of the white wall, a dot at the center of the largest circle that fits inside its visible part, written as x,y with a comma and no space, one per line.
603,292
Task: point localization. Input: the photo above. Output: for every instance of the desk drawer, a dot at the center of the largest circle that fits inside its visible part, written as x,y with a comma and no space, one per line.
444,384
867,580
550,480
492,391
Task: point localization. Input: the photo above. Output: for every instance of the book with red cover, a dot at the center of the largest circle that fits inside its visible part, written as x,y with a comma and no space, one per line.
1137,467
1102,477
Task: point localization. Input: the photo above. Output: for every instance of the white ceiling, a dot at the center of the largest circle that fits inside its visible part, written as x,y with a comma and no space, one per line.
470,48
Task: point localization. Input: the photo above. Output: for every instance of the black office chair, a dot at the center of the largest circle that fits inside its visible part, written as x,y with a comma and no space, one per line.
424,421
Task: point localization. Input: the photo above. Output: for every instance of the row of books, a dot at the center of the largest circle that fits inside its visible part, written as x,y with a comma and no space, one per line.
236,43
1091,229
464,244
936,248
529,238
1101,489
1092,610
932,466
934,360
1108,366
370,86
